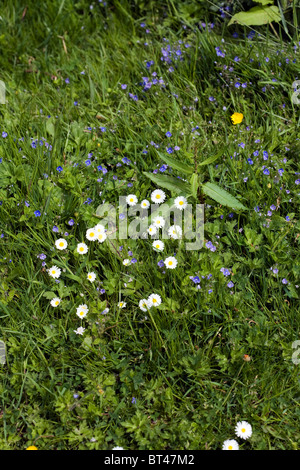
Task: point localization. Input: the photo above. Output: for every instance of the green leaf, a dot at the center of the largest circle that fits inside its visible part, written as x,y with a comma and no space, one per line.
221,196
169,182
50,127
49,295
183,167
257,16
194,185
264,2
210,159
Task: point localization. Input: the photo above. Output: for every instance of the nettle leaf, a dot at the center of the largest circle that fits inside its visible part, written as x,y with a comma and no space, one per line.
180,166
220,195
257,16
49,295
264,2
169,182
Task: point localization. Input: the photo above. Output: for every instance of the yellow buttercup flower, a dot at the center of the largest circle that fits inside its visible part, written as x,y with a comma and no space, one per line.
237,118
32,448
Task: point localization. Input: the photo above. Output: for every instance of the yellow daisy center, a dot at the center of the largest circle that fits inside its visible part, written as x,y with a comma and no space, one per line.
154,301
170,263
61,244
243,430
53,271
92,234
229,447
81,248
180,203
157,196
57,302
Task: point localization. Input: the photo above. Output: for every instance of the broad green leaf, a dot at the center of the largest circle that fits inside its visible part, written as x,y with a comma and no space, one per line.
221,196
49,295
194,185
169,182
264,2
257,16
209,160
183,167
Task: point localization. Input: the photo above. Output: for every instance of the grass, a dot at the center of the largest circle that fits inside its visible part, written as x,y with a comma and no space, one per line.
176,377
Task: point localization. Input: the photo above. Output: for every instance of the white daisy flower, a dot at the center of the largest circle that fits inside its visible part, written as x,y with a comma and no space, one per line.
154,300
91,276
101,237
82,311
158,245
61,244
180,202
54,272
145,204
118,448
158,196
79,330
55,302
126,262
171,262
143,304
131,199
158,221
230,444
243,429
99,228
91,234
175,232
82,248
152,230
122,304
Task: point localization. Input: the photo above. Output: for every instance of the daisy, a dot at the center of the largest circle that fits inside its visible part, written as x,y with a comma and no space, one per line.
175,232
158,245
230,444
243,429
236,118
158,221
61,244
101,237
82,311
91,276
180,202
55,302
158,196
126,262
152,230
154,300
54,272
143,304
171,262
91,234
118,448
79,330
131,199
82,248
99,228
122,304
145,204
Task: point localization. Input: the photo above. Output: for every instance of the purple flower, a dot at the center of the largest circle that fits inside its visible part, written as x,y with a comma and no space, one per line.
59,169
55,229
284,281
71,222
37,213
230,284
168,134
124,86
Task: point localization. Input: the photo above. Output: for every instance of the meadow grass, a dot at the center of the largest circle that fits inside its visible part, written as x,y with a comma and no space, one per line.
176,377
